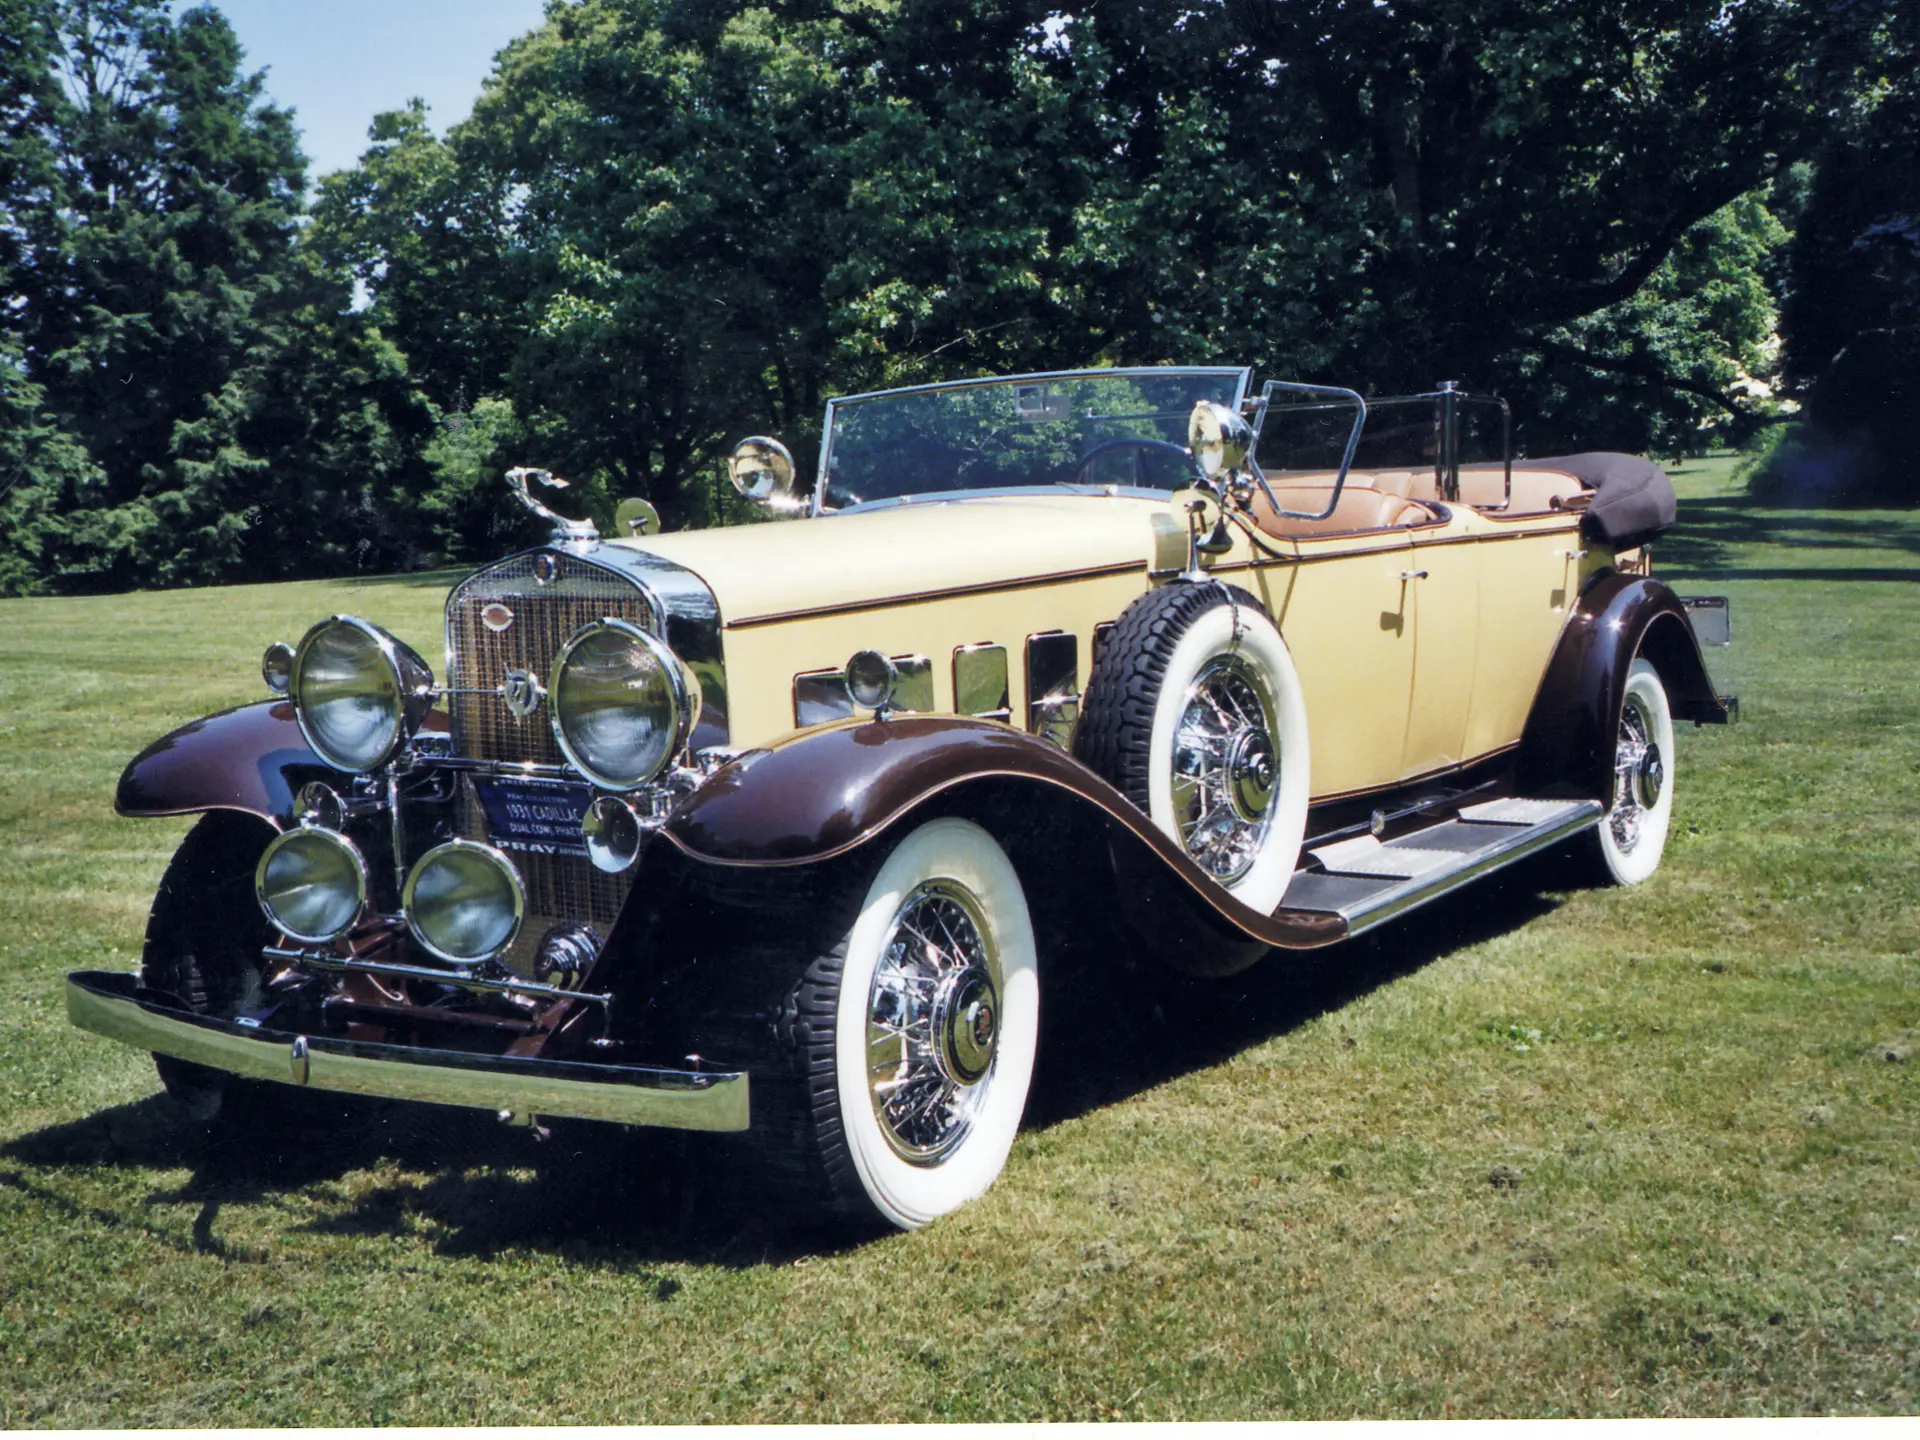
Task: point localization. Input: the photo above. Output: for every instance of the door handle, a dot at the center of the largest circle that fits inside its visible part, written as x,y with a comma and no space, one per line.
1413,575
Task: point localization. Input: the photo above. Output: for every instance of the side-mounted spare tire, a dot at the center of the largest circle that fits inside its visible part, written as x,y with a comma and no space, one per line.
1194,712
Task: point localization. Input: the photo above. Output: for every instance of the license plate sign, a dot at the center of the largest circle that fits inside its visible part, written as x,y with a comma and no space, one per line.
531,817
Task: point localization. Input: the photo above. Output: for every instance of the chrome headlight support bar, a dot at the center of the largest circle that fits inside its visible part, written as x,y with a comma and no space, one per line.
480,984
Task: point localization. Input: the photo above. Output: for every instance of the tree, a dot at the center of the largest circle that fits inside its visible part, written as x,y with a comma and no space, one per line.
235,419
1851,323
1382,194
1527,166
1690,355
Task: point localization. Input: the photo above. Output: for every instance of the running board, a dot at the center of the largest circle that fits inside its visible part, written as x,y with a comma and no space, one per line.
1367,882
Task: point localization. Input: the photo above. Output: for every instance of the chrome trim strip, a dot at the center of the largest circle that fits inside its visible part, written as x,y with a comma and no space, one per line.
1397,900
110,1005
526,770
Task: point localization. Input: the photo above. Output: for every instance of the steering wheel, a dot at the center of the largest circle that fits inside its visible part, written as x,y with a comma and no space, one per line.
1131,442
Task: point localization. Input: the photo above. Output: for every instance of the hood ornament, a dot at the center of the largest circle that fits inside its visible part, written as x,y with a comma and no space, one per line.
565,532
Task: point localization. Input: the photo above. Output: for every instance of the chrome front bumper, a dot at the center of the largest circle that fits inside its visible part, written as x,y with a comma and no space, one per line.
111,1005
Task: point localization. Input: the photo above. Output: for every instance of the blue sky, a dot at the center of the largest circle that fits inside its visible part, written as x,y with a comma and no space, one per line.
340,62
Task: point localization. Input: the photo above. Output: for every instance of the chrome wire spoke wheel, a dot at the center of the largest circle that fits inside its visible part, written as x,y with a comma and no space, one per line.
1225,762
1639,773
933,1022
1632,836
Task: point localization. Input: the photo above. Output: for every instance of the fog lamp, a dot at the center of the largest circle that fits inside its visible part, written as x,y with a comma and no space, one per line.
464,901
276,667
312,884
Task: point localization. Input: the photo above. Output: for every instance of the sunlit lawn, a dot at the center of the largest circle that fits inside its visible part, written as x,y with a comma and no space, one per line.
1532,1152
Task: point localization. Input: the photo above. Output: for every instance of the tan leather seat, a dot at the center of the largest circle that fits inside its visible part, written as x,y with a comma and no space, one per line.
1535,491
1360,509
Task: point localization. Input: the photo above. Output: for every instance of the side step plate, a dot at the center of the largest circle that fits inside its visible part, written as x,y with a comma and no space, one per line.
1367,883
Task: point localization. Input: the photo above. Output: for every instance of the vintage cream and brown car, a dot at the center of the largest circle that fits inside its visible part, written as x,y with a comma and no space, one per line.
749,829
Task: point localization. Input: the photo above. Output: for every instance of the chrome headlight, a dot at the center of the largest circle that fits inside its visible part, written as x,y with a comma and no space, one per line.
464,901
623,704
358,692
312,884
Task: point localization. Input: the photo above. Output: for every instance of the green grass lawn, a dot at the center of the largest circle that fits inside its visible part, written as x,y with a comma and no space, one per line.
1534,1151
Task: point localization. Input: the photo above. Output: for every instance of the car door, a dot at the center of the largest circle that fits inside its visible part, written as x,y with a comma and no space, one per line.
1443,591
1347,618
1529,579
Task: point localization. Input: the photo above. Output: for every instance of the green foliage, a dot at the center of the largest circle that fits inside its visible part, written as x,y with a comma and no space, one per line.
668,224
237,420
1692,354
469,513
1852,319
45,477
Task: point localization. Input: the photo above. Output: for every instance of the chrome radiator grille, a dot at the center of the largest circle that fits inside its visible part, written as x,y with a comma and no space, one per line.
544,616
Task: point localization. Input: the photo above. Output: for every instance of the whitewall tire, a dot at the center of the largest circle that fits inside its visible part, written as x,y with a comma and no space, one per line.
1632,835
935,1023
1195,712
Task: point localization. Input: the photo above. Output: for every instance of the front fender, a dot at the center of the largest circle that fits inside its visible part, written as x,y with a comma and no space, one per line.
252,759
1568,742
821,793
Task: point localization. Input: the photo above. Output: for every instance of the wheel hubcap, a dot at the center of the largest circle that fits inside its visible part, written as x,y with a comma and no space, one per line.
1639,774
1651,776
1225,765
933,1022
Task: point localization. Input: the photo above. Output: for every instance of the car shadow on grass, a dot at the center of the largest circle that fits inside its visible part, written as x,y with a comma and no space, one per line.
598,1195
603,1197
1110,1041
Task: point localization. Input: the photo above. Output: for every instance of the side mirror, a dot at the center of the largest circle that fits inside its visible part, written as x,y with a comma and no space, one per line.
1219,438
762,470
636,517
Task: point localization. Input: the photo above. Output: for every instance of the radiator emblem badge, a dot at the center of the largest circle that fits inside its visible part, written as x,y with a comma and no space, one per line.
522,693
496,617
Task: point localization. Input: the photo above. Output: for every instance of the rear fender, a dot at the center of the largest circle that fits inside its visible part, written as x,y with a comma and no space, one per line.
1568,743
252,759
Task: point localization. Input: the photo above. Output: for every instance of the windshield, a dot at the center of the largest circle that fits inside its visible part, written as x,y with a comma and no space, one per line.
1093,428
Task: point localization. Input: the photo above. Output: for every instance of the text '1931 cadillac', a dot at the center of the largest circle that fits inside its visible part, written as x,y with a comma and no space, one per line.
749,829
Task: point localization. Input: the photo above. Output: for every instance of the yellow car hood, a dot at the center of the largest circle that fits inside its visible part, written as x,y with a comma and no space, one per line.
900,552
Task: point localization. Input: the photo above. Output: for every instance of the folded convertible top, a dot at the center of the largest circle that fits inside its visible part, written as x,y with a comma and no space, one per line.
1633,498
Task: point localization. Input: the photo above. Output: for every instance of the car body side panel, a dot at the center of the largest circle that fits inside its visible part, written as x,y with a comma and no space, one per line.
1529,585
1443,601
767,656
